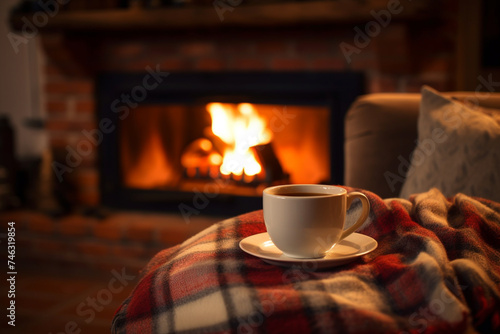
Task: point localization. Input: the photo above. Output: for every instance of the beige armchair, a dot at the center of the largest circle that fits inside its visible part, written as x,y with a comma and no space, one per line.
380,135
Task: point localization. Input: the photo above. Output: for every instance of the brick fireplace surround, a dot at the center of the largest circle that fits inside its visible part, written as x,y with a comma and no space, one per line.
401,58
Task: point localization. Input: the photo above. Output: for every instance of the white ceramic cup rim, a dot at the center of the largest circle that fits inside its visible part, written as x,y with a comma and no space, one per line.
325,190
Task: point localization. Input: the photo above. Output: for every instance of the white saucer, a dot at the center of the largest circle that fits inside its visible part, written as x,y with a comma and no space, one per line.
347,250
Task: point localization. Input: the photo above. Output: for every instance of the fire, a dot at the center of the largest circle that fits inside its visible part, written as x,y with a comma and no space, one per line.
240,129
151,168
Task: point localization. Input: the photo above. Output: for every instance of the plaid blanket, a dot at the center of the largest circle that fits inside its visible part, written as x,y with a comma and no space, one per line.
436,270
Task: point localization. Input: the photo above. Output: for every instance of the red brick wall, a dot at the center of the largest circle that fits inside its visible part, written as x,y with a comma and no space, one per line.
400,58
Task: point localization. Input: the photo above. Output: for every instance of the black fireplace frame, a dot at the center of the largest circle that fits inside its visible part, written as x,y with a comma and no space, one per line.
335,90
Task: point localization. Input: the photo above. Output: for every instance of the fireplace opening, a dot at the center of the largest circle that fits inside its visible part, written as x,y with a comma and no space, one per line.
248,146
222,137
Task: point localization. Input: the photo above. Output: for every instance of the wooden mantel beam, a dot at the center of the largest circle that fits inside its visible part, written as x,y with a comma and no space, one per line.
192,17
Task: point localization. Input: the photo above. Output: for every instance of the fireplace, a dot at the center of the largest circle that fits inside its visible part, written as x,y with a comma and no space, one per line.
212,141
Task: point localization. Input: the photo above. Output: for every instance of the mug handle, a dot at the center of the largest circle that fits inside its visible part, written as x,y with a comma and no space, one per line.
366,211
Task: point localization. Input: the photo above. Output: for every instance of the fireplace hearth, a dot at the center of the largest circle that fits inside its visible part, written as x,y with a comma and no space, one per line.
212,141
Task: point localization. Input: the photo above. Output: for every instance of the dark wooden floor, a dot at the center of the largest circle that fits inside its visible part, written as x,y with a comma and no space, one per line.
55,300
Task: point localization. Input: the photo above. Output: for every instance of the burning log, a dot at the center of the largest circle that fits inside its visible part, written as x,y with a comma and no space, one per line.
271,166
218,144
200,159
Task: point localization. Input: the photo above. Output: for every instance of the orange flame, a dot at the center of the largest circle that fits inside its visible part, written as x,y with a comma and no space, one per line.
239,128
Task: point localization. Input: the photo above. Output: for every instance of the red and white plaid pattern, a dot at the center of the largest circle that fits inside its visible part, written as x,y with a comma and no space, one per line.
436,270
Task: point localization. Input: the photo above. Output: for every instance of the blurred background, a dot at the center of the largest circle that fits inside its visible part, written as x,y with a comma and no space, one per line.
105,159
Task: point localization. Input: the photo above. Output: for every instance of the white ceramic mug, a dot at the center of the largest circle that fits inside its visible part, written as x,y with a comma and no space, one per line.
307,220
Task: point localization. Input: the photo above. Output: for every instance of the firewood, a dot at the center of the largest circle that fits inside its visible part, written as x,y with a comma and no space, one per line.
269,162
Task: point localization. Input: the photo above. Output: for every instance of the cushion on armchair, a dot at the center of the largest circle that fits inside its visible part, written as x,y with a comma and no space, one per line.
458,148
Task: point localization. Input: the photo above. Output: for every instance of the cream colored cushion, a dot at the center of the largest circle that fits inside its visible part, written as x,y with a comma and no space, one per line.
458,149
